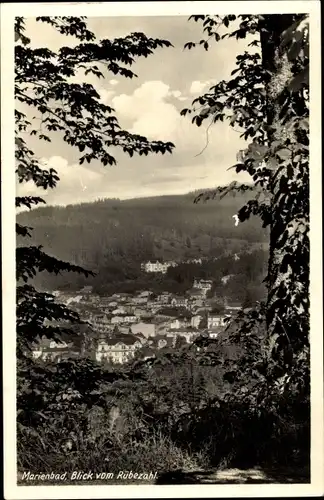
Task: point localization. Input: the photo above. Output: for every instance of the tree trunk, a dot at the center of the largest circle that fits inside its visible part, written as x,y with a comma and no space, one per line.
287,281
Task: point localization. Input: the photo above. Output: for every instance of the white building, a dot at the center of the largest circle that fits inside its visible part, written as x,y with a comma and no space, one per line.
215,320
186,333
119,349
204,285
193,261
177,323
195,321
179,302
123,318
157,267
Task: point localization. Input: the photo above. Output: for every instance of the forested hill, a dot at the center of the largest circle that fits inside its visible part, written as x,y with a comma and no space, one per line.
110,232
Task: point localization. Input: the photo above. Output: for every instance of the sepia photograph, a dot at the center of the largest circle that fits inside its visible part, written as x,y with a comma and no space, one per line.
165,299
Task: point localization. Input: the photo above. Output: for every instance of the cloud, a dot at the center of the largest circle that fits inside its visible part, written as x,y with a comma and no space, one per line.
76,182
105,95
113,82
197,87
149,112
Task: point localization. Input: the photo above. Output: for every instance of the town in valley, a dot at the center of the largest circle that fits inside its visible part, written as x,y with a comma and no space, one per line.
120,327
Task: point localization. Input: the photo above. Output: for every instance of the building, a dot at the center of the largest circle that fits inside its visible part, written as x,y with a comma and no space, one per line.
215,320
123,318
164,298
51,350
139,300
118,310
203,285
179,302
225,279
157,266
195,321
189,334
117,349
140,312
179,323
194,261
145,293
153,307
213,334
101,322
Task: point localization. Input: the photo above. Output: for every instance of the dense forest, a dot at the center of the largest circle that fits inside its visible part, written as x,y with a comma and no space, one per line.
113,237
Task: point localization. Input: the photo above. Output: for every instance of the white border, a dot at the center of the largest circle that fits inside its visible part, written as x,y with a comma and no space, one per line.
8,12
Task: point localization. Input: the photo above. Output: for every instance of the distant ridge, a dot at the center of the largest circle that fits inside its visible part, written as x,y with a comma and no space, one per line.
189,194
114,236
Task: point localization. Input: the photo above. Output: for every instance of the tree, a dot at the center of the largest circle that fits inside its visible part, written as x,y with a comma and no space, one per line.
180,342
75,111
267,98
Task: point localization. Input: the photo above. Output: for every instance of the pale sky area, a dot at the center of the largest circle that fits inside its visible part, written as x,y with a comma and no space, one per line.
150,105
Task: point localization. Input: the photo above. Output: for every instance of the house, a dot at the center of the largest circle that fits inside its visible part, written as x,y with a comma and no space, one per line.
118,310
157,267
130,318
119,348
213,334
179,302
187,333
145,294
123,318
214,320
153,307
225,279
146,329
195,321
193,261
112,303
140,312
178,323
233,308
51,350
101,322
203,285
164,298
139,300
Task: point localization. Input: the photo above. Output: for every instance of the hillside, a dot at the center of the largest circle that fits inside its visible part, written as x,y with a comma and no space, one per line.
112,236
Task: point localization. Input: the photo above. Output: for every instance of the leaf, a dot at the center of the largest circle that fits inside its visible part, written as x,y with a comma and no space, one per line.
300,80
284,154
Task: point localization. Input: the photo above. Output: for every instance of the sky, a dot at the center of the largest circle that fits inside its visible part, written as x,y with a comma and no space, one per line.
149,105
